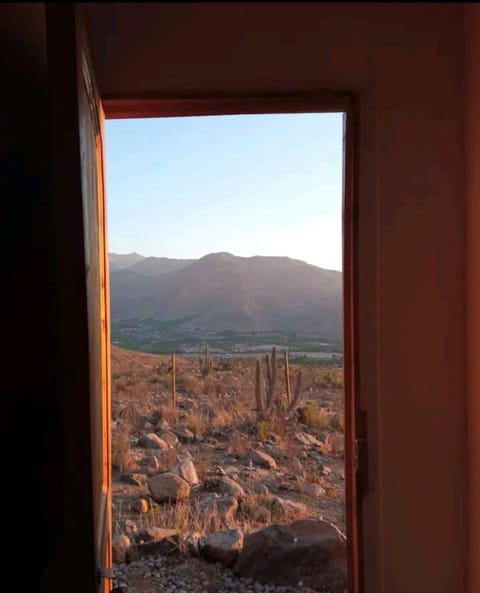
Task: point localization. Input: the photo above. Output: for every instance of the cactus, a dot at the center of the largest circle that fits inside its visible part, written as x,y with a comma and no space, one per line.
205,363
266,400
174,389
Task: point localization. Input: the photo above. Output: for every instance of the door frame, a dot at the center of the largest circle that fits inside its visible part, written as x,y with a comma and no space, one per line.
290,103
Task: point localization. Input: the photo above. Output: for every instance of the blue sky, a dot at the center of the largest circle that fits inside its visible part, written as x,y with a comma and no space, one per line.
245,184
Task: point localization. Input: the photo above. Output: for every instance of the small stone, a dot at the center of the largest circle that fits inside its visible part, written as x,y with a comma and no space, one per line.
152,441
263,459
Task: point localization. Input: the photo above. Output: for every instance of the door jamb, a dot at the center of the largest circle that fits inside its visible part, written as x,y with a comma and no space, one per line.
314,102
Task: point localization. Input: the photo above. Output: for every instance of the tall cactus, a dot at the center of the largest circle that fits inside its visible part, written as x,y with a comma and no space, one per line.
174,387
265,397
205,363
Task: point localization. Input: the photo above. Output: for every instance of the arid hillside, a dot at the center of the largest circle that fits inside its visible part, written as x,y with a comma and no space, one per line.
223,291
200,486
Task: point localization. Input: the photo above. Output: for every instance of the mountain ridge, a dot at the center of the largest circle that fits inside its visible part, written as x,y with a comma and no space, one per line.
223,291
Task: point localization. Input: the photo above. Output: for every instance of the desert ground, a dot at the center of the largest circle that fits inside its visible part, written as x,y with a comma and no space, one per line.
236,483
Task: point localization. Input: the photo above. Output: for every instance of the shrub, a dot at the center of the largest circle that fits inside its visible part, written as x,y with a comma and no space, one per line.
120,450
316,417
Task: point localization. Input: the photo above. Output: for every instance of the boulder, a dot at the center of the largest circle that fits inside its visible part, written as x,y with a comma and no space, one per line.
262,459
222,546
282,508
184,433
165,542
314,490
153,534
223,507
169,437
120,546
186,470
167,487
152,441
232,488
311,552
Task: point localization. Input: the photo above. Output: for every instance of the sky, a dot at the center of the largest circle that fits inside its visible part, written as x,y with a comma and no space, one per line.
249,185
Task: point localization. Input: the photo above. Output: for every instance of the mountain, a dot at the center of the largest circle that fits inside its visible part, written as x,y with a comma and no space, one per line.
223,291
153,266
118,260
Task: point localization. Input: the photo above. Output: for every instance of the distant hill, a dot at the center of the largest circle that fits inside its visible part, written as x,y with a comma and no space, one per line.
153,266
118,260
223,291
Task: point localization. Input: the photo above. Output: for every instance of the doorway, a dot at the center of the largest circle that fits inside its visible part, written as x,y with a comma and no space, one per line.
126,330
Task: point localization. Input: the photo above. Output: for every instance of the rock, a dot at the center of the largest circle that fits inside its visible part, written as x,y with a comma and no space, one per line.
151,461
192,544
162,426
166,544
127,526
169,437
222,546
260,488
263,459
134,479
186,470
153,534
275,451
152,441
167,487
312,552
282,508
140,506
187,404
184,433
232,488
222,506
120,546
166,459
308,440
314,490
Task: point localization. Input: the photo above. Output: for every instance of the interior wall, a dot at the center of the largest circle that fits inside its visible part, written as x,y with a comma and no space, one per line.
405,63
29,417
472,162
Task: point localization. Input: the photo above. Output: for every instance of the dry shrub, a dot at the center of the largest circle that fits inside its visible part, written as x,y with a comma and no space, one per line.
238,444
196,422
138,389
337,422
336,442
222,417
169,413
191,384
212,386
184,516
276,425
316,417
120,450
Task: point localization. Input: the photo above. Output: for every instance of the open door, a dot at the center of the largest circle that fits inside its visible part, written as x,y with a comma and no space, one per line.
82,266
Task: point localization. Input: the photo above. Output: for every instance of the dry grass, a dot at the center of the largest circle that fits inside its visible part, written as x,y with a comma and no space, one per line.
197,422
315,416
120,450
238,444
185,517
170,414
191,383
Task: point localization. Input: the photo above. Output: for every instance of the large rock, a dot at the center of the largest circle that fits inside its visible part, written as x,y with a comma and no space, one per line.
120,546
186,470
167,487
231,487
153,534
282,508
310,552
308,440
184,433
169,437
153,441
263,459
221,507
222,546
158,541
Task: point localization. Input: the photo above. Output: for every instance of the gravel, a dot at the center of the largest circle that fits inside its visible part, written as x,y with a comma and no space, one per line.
179,575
